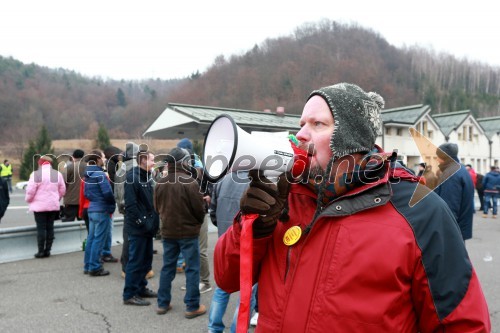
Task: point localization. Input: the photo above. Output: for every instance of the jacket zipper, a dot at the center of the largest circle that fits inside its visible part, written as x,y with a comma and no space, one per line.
288,256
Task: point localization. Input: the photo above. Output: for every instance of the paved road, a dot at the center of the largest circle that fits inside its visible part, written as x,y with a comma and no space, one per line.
52,295
17,213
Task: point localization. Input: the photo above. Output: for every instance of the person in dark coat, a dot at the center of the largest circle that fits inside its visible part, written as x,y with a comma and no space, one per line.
480,191
141,224
491,186
4,197
455,187
73,175
180,204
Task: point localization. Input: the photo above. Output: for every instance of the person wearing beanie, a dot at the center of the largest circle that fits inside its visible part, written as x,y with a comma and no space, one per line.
179,203
73,174
44,191
348,246
455,187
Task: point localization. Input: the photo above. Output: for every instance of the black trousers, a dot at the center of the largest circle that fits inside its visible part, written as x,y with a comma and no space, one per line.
45,229
70,213
124,256
480,194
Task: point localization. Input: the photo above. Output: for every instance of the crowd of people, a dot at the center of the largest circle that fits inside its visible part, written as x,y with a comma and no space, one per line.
341,246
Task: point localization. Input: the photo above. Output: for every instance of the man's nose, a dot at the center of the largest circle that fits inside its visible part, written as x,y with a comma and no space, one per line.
303,135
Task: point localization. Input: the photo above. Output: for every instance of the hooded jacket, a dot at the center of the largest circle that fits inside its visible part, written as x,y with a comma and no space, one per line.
98,190
45,189
491,182
455,187
370,263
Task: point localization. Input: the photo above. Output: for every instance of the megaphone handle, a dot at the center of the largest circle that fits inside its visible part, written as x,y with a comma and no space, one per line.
246,271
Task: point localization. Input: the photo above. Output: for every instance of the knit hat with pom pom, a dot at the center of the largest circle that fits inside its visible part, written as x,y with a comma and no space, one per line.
356,116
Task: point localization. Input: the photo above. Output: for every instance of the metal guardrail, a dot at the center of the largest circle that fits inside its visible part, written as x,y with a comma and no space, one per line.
20,243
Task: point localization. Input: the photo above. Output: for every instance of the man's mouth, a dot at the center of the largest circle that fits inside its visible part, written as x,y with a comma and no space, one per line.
309,148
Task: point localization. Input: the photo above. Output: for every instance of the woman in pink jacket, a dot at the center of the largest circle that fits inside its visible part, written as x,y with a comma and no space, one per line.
45,189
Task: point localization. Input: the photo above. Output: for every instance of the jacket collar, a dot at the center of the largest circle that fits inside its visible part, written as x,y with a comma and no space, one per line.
374,194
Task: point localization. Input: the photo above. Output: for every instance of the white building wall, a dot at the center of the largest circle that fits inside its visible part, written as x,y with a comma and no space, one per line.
473,146
495,151
474,151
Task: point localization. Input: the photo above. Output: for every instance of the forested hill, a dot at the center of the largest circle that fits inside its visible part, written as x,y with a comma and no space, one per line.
278,72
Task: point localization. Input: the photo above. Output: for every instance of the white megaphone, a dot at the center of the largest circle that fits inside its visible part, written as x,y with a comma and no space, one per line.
229,148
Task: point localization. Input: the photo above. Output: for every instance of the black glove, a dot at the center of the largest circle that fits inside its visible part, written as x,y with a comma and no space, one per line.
121,208
267,199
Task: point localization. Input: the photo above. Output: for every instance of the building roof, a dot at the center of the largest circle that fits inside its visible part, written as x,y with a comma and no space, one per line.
491,125
407,115
192,121
450,121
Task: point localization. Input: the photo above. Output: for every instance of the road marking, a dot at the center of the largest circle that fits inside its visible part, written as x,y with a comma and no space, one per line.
18,207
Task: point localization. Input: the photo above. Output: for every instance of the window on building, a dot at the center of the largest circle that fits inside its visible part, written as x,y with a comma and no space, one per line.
388,131
471,133
424,127
430,134
476,138
464,133
399,132
459,136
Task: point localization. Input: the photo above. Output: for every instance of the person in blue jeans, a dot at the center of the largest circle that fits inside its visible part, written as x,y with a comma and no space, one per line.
178,201
224,205
141,223
102,204
218,307
491,186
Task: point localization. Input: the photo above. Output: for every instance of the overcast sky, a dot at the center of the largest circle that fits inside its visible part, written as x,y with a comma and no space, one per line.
172,39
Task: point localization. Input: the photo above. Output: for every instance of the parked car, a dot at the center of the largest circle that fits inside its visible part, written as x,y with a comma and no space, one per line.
22,185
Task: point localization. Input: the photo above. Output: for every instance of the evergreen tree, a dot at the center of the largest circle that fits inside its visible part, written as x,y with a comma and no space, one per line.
28,163
120,97
102,138
41,146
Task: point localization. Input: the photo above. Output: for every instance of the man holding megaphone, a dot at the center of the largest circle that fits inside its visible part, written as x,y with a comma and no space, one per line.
343,250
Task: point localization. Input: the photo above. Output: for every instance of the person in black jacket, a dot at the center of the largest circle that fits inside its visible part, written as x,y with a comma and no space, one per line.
455,187
141,224
4,197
